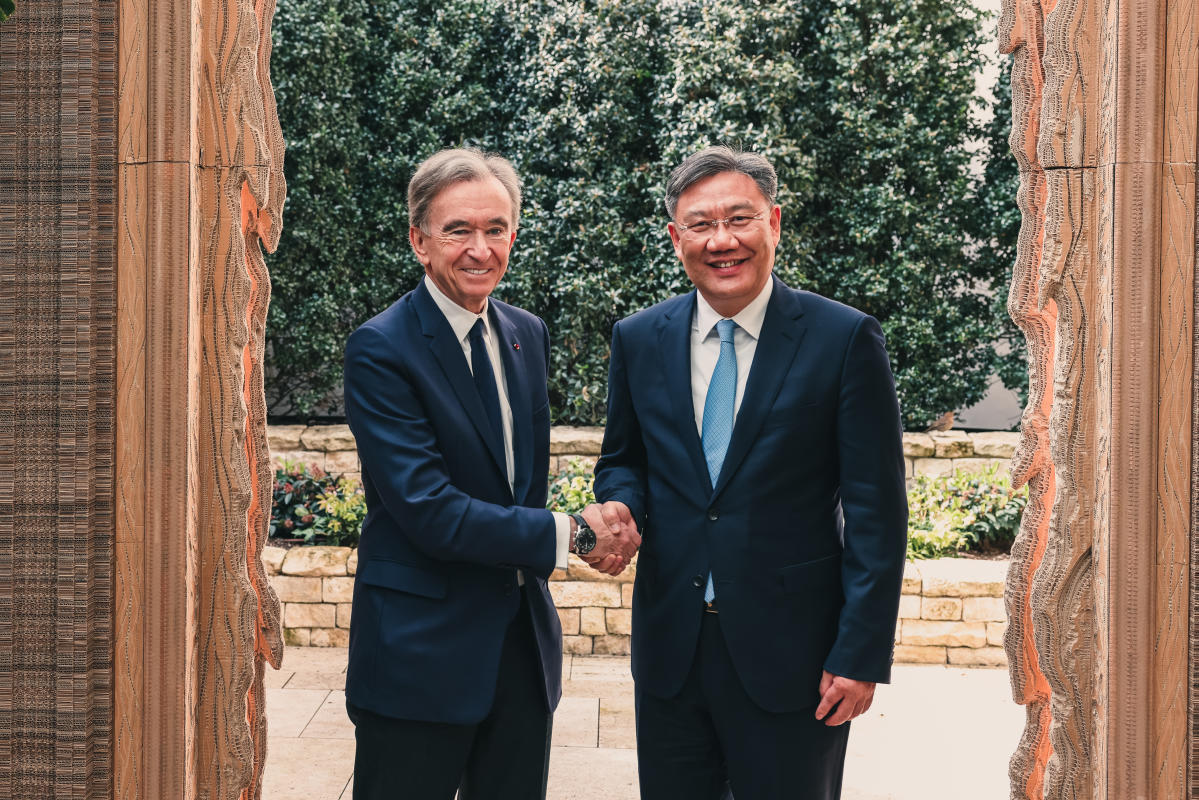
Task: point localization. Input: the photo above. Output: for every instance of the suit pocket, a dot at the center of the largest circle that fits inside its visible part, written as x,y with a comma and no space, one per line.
807,575
403,578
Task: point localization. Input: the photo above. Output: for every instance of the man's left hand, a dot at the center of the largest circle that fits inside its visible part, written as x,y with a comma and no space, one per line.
850,698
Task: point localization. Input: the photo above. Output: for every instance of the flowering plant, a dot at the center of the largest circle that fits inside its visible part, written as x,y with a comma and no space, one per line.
311,504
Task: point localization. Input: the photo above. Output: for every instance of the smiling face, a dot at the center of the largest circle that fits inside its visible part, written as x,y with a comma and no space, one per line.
729,268
470,235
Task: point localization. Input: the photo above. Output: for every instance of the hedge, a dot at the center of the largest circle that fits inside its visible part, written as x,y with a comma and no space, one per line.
866,108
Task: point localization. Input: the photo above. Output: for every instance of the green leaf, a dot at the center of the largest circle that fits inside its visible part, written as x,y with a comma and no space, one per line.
7,9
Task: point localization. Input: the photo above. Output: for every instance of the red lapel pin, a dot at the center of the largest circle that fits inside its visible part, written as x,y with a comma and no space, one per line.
516,345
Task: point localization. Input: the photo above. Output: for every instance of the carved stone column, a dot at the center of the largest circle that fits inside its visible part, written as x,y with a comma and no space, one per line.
140,175
1105,106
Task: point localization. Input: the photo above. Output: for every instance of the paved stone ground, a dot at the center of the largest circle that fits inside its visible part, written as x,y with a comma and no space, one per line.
935,733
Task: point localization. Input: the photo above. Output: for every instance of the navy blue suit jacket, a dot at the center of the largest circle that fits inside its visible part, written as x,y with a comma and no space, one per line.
804,532
444,534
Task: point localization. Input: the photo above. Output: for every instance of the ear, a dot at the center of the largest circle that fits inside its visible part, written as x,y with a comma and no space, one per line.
420,244
675,235
776,225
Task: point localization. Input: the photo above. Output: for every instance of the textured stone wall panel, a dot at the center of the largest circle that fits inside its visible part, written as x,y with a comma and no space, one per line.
1021,32
1062,598
241,198
57,389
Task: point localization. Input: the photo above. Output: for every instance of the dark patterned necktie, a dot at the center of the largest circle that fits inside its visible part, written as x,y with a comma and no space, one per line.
480,364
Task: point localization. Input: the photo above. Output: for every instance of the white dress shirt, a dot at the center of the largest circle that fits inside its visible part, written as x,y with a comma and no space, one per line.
705,347
461,321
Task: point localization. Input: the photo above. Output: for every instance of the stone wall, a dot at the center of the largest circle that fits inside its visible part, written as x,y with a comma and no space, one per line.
951,611
331,447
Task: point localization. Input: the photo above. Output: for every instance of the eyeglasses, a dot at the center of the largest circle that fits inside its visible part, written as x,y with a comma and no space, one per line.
707,227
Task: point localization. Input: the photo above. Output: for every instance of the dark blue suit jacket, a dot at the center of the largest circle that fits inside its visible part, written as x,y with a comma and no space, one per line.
805,531
436,584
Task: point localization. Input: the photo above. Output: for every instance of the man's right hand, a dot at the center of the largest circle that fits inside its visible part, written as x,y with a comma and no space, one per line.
616,536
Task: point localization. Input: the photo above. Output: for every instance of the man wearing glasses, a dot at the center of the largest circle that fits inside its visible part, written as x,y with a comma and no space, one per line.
754,435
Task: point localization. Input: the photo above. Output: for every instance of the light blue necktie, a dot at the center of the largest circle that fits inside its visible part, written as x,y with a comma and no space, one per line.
718,412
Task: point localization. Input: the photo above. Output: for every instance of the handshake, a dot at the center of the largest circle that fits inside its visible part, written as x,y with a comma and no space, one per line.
616,536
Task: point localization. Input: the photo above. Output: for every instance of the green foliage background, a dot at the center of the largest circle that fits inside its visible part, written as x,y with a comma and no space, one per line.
865,108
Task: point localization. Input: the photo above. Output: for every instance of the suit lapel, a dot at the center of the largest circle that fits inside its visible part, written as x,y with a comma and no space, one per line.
517,381
780,337
448,352
674,345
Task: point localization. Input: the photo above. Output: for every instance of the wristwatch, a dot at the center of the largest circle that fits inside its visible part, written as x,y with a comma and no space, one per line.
584,541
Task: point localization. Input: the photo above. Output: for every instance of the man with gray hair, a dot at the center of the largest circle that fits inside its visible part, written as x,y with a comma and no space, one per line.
754,436
455,660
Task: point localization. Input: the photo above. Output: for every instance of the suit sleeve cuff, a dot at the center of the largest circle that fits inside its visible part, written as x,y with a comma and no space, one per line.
562,531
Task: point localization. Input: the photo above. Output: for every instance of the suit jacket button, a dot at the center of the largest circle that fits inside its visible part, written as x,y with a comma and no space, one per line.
713,514
698,582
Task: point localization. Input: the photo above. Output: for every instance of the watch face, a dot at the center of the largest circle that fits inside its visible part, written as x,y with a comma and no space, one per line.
584,541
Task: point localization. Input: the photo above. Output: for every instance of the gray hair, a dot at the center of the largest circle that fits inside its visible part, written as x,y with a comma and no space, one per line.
454,165
714,160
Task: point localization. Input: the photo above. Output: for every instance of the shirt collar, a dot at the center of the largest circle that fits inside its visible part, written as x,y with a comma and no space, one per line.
461,320
749,319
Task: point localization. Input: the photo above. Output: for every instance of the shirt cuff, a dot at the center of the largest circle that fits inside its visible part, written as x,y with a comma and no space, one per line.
562,530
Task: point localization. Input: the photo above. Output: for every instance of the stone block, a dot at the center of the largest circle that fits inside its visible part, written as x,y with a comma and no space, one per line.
909,469
933,467
995,633
619,620
912,580
352,563
576,645
296,590
343,614
986,609
952,444
328,438
337,590
569,617
309,615
316,561
591,622
995,444
579,594
284,437
946,608
308,458
909,606
296,637
976,657
577,570
963,577
949,634
330,637
341,462
917,654
568,440
272,559
978,464
558,575
611,645
918,445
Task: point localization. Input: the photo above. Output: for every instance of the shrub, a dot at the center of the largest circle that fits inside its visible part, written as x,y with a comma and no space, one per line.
966,511
865,108
571,488
309,503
